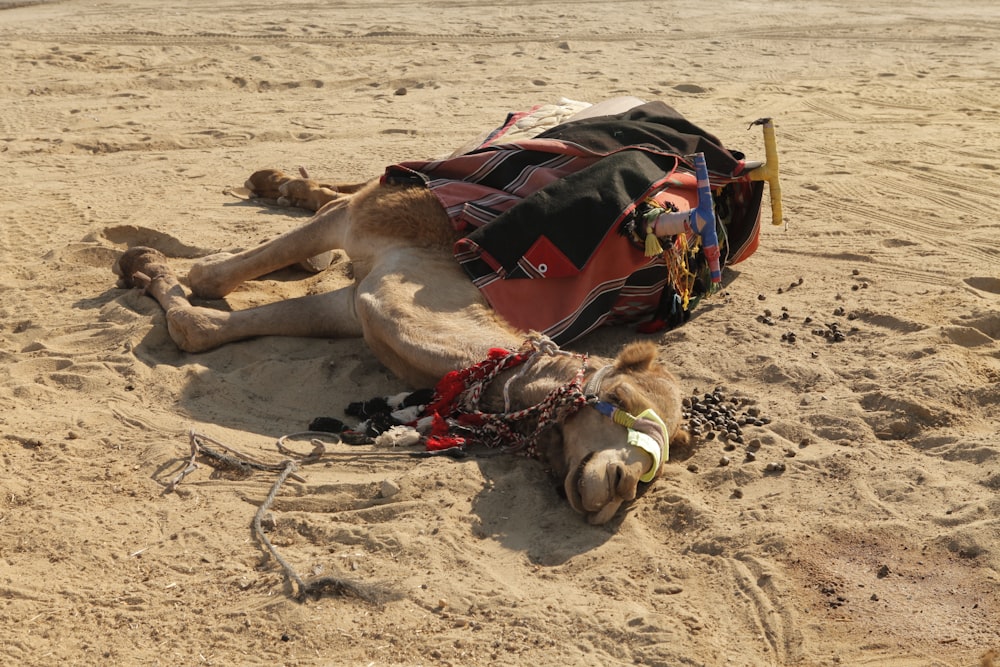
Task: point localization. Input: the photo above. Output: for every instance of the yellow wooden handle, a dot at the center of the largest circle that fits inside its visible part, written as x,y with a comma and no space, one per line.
769,170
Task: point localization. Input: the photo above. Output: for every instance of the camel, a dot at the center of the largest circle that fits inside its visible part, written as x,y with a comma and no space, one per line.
607,425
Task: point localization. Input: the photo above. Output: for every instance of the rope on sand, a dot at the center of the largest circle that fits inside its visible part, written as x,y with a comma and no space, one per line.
233,459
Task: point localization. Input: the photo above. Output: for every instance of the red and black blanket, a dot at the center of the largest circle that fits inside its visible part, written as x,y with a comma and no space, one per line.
551,221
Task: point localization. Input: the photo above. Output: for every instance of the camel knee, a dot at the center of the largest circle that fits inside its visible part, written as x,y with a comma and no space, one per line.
208,277
195,329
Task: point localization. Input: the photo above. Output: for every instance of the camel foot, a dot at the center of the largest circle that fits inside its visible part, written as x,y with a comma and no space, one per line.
140,265
264,184
284,190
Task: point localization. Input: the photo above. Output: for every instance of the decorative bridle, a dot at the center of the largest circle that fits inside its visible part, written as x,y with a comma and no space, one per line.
455,406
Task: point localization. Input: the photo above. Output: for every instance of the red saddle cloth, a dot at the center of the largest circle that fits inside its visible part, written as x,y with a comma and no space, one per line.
551,221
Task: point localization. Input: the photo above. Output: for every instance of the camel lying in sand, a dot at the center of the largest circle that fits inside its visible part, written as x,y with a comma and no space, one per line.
422,318
605,425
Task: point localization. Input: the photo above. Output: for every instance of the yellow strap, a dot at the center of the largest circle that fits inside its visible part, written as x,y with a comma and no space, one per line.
649,445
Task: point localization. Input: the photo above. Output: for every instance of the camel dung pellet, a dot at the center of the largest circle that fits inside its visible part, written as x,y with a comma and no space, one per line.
724,461
737,493
692,467
751,457
790,453
808,320
774,467
729,447
839,310
761,297
754,445
856,272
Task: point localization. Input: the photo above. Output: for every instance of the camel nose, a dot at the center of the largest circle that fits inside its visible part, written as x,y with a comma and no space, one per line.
623,484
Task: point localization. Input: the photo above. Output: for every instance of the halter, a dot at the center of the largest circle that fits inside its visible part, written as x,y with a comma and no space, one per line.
646,431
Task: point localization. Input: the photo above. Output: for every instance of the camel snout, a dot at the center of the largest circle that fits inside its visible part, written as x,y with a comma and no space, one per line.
604,481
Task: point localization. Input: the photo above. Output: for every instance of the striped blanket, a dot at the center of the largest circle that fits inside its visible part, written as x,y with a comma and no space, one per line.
550,221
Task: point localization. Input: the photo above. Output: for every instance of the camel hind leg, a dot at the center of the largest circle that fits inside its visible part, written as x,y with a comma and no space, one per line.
365,224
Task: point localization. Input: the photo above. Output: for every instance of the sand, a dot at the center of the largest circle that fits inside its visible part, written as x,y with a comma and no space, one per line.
127,122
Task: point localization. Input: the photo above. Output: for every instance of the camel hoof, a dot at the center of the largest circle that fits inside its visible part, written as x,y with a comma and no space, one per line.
137,265
264,184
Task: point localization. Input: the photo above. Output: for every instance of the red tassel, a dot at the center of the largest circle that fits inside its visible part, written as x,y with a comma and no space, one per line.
436,443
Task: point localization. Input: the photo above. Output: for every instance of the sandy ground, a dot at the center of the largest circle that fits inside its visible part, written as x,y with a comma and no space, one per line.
125,122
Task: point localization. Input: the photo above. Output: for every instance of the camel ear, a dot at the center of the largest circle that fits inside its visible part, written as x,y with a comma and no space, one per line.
636,357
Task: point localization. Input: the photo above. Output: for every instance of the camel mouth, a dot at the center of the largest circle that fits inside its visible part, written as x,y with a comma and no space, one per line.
573,493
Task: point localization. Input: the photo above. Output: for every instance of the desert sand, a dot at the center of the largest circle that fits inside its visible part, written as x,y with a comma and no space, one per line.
129,122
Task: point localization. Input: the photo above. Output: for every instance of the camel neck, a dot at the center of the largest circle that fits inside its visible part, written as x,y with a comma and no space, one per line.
527,386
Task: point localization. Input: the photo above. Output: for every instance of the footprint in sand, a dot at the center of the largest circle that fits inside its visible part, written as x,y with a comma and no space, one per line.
975,329
984,284
132,235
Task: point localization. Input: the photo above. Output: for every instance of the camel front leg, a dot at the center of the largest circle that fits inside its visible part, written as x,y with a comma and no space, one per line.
325,315
216,276
196,329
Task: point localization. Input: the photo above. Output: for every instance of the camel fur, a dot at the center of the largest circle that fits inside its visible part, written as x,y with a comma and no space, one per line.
421,317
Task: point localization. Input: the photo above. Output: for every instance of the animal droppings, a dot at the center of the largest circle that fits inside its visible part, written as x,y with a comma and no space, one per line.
718,414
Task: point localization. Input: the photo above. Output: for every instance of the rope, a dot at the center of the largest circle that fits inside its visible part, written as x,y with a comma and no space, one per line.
234,459
290,467
461,408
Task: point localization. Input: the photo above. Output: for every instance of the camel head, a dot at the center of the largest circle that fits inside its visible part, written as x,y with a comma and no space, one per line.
602,460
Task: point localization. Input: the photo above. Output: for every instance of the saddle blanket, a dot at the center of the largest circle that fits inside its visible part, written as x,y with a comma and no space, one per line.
551,221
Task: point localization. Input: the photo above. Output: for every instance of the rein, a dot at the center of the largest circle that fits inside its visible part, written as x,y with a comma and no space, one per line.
455,407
